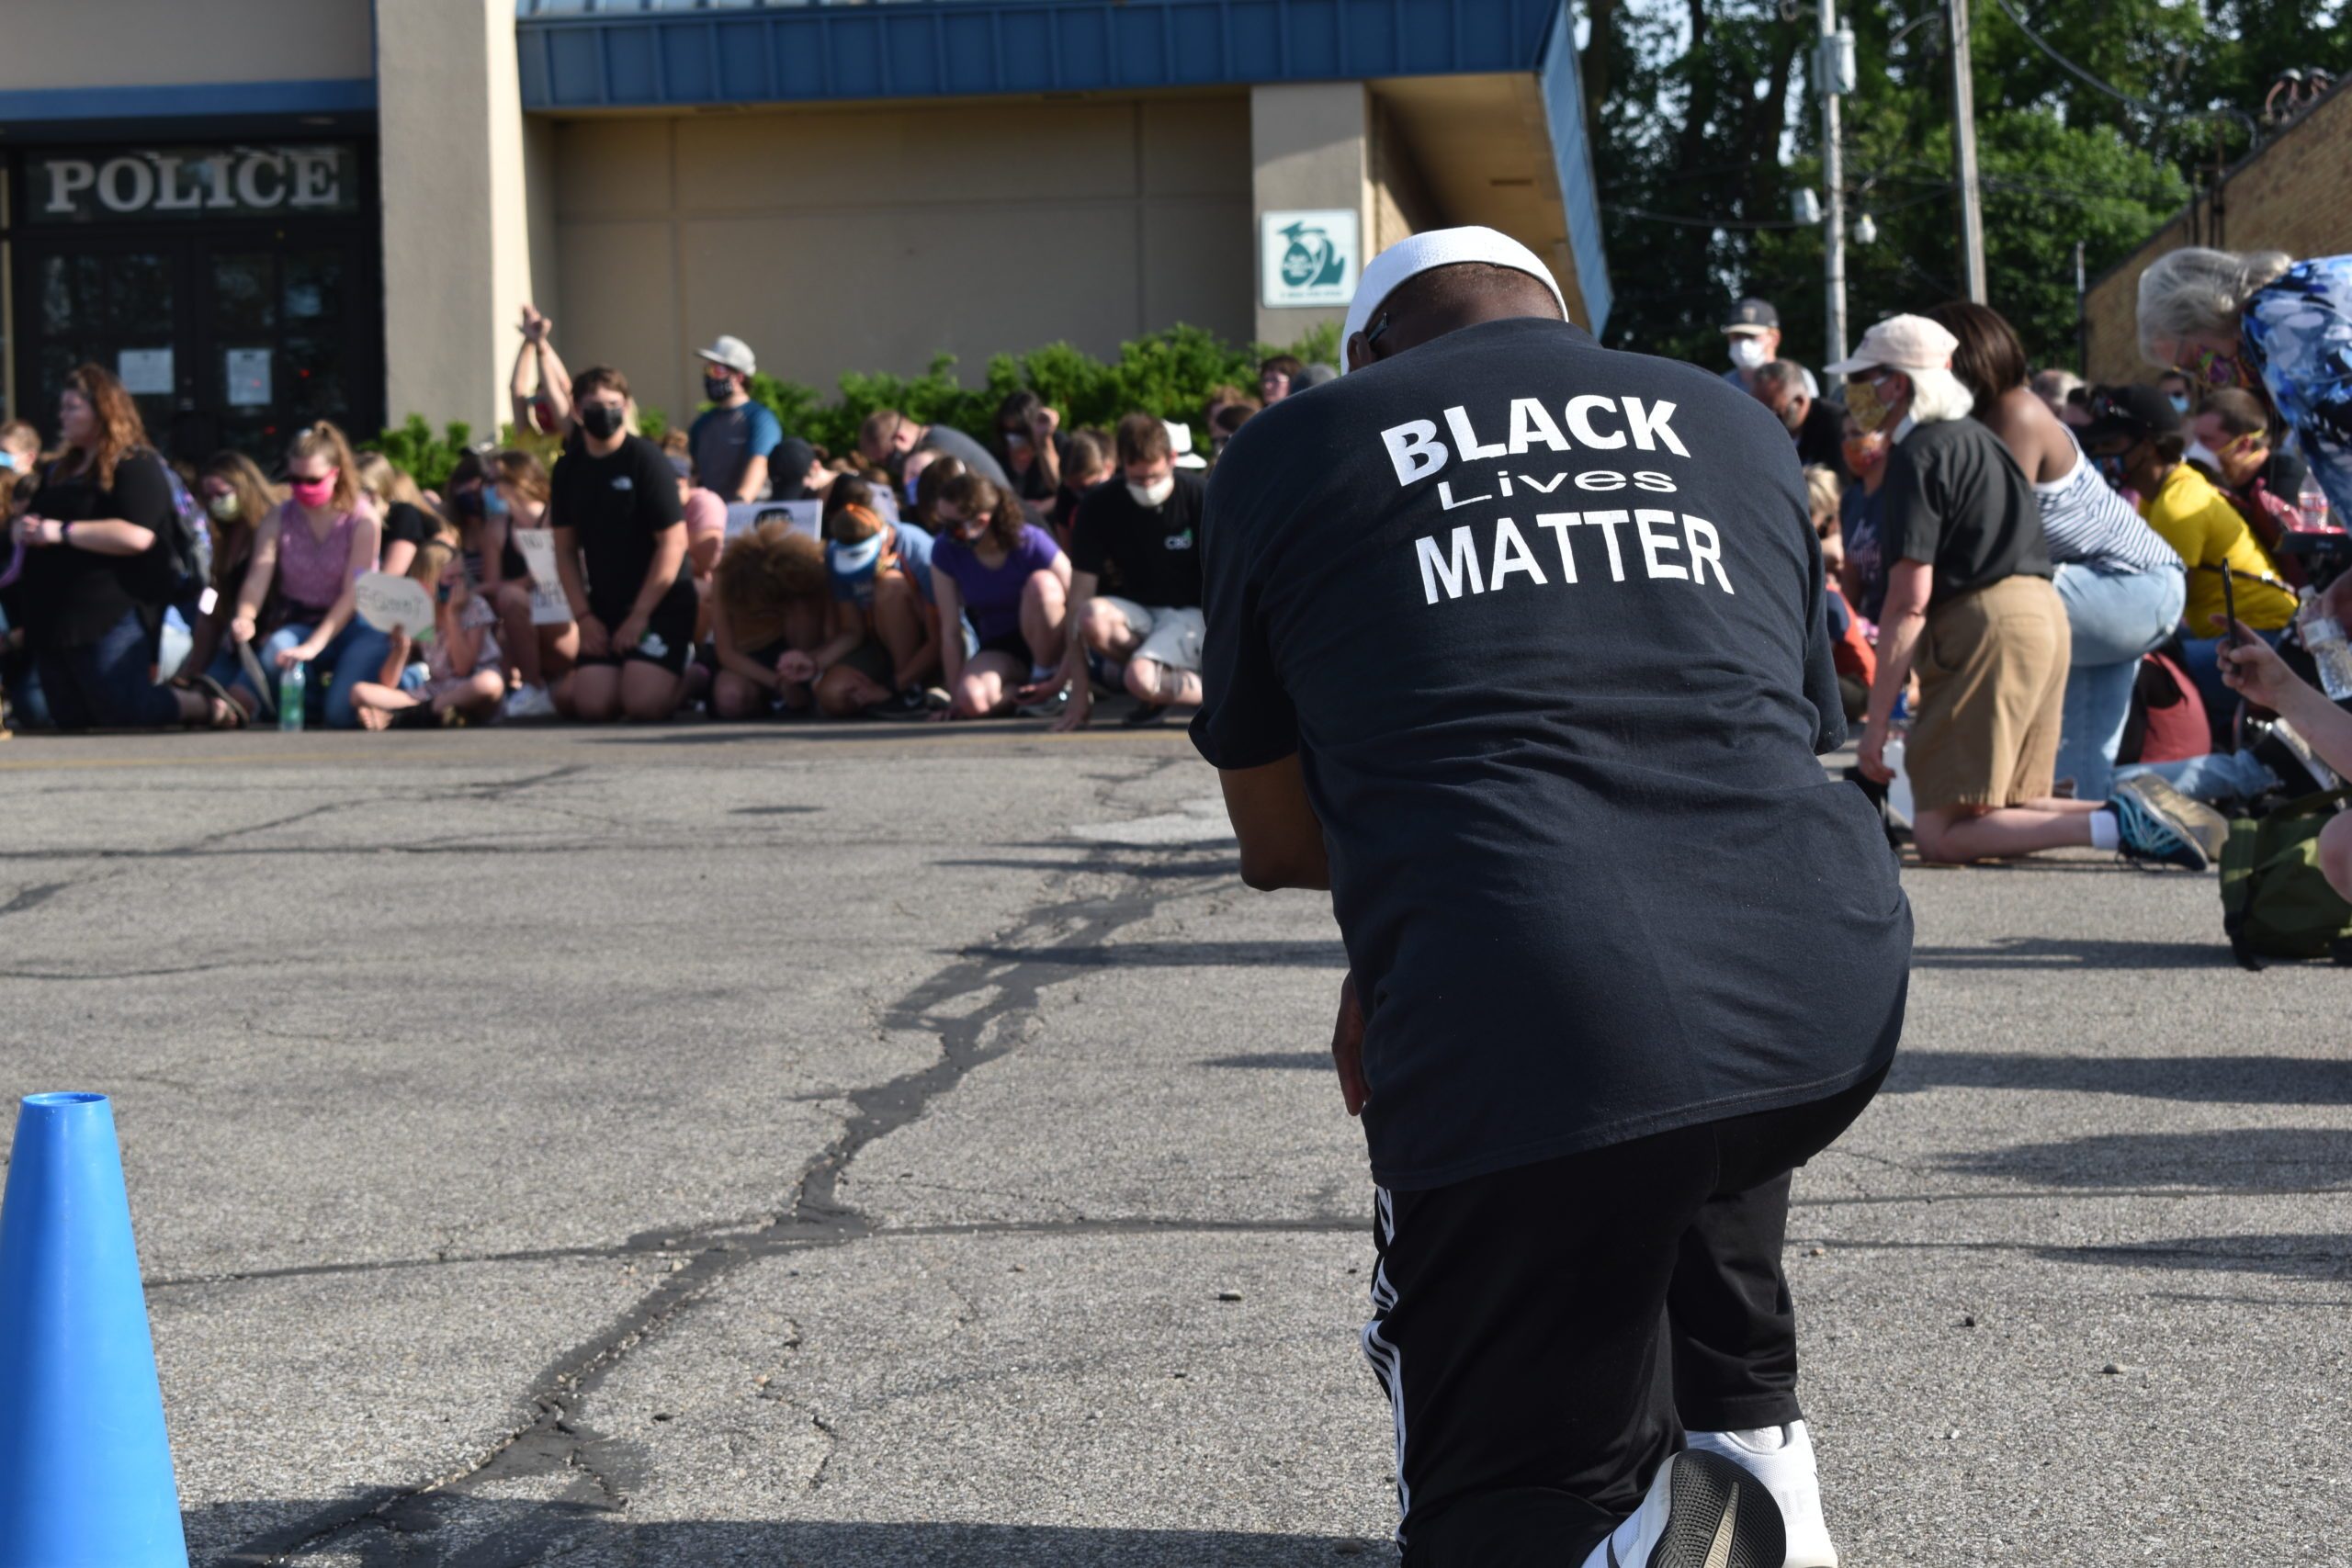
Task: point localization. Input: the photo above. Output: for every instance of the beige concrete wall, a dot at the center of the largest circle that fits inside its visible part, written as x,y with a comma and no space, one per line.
872,239
1310,146
125,43
2296,196
457,209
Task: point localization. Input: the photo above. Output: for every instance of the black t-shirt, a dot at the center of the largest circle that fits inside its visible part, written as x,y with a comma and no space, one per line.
406,522
2284,475
1821,439
618,506
1546,625
1955,498
1157,547
71,597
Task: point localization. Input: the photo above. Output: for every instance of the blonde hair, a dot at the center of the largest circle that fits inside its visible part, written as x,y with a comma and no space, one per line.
433,555
2194,290
323,439
1822,492
385,481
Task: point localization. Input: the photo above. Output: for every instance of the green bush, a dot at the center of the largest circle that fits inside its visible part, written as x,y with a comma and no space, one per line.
1167,374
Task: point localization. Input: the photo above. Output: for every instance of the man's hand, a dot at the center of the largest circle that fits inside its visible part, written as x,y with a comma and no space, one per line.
1870,750
1080,711
2253,670
595,642
1347,1049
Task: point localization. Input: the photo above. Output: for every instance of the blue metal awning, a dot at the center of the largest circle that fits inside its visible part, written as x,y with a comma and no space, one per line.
589,54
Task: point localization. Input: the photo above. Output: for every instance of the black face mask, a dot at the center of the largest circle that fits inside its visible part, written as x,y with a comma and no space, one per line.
601,419
718,389
468,504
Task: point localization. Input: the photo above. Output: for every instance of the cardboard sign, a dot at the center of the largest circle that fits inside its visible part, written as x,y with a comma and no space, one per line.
386,600
537,546
742,517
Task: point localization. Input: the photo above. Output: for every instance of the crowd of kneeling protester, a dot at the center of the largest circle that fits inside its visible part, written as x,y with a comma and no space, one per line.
2058,610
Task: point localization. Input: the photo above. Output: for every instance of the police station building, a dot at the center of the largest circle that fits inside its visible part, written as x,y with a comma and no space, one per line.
258,212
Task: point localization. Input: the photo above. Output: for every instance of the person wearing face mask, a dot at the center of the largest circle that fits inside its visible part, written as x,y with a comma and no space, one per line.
1754,334
2260,477
888,437
2136,433
313,550
2173,385
1147,637
620,553
1817,427
734,437
1862,576
2264,322
236,496
1971,607
2121,584
797,472
1032,447
1014,581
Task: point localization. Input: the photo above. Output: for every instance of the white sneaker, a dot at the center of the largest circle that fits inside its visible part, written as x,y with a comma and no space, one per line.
527,701
1702,1511
1782,1458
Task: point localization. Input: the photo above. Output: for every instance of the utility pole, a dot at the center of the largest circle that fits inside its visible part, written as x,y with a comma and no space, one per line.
1830,77
1964,151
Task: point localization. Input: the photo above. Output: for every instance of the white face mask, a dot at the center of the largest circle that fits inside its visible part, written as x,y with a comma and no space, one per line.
2200,453
1154,493
1749,352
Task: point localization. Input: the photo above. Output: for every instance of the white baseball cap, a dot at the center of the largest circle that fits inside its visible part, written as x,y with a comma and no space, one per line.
1180,445
731,352
1407,259
1900,343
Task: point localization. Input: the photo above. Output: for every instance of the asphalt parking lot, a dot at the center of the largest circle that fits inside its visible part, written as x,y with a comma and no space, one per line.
888,1145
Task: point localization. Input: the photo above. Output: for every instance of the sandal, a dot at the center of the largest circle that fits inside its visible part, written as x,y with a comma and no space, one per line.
232,718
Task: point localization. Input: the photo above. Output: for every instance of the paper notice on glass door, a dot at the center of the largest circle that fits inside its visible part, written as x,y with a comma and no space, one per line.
144,370
246,371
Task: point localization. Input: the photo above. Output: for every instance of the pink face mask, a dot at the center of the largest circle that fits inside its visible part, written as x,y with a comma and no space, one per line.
313,492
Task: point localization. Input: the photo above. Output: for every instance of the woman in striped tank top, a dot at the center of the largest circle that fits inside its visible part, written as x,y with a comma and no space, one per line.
2123,587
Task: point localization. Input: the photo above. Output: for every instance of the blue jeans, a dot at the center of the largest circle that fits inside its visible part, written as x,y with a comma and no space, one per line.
2114,618
355,654
2202,657
2224,775
107,684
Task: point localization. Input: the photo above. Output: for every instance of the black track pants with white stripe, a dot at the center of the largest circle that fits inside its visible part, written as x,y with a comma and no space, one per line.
1531,1327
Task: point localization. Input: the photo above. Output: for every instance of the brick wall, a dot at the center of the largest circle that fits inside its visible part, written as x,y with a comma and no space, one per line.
2295,195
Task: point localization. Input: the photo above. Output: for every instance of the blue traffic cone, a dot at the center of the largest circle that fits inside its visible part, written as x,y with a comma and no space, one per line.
86,1470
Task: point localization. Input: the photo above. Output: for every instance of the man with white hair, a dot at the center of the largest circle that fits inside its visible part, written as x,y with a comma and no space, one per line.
1971,607
1518,645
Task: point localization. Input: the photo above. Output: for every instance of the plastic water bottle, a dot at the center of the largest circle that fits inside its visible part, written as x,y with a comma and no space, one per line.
2312,504
1899,802
290,688
2323,640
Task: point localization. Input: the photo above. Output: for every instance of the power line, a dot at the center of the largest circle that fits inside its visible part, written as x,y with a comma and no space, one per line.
1744,225
2155,110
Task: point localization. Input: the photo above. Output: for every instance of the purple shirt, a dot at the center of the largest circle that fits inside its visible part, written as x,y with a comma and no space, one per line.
992,594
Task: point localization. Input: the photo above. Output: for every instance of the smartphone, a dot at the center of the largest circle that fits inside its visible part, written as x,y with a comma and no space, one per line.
2230,636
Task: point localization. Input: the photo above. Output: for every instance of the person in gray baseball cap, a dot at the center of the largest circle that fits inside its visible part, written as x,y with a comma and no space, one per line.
1754,331
733,438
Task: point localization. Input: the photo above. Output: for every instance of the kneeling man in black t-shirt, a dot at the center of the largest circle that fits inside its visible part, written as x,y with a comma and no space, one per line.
1531,668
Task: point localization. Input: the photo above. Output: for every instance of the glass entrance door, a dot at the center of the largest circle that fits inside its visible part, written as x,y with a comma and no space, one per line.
234,338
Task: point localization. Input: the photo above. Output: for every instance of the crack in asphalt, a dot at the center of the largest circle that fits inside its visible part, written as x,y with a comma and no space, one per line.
554,1439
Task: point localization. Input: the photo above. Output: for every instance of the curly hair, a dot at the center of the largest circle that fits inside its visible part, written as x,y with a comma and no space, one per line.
976,495
121,430
762,574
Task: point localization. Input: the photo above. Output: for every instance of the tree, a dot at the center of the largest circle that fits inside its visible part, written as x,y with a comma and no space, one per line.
1706,121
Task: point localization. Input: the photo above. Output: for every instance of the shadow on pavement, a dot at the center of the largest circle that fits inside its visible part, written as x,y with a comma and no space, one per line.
2273,1158
1320,1061
2227,1081
2293,1257
457,1531
2063,953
